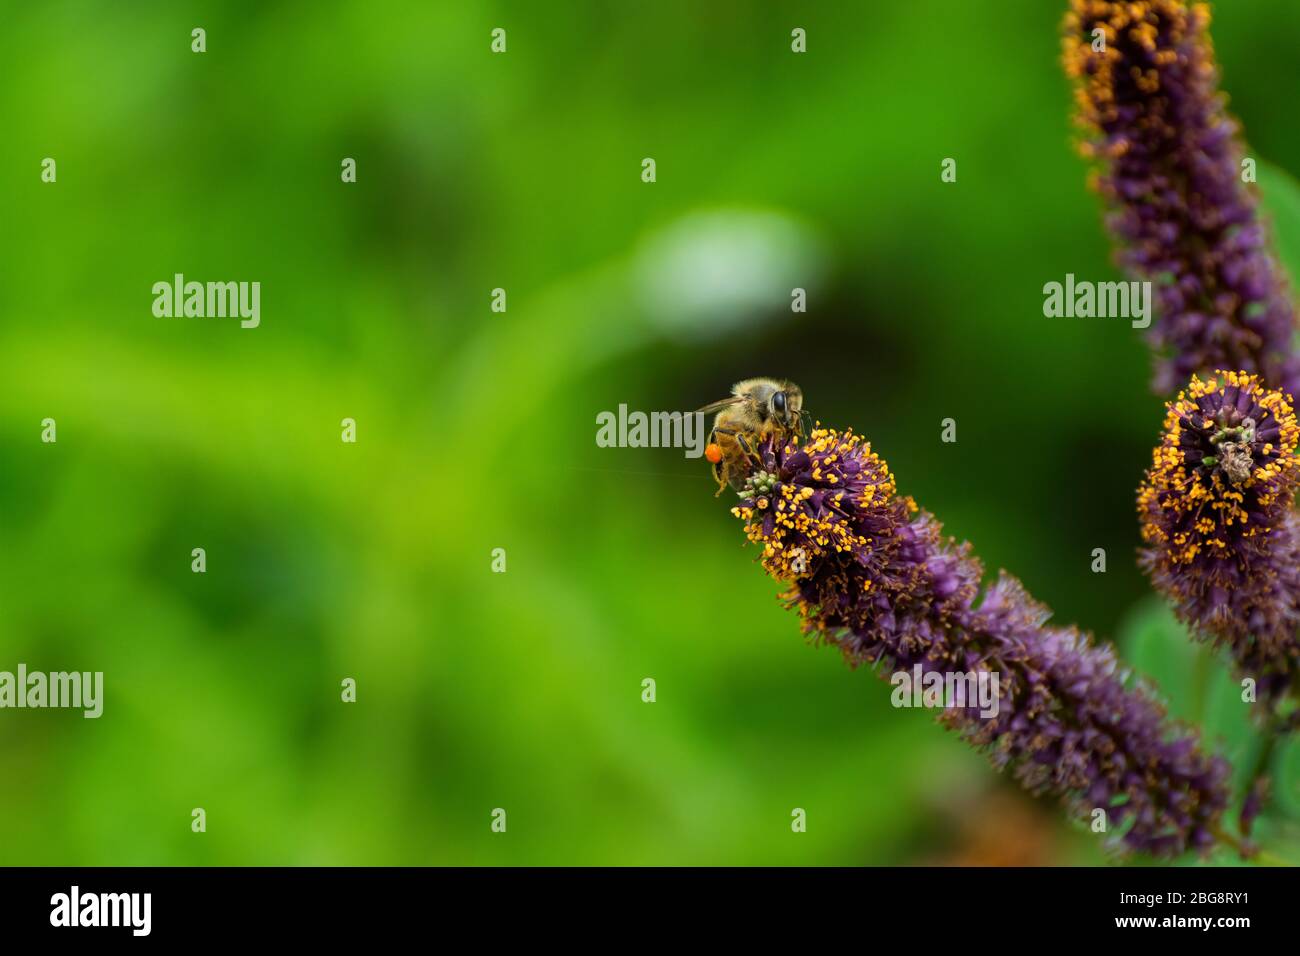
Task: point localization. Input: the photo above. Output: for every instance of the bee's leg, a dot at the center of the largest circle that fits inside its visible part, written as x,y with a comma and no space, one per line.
737,479
746,447
719,469
752,455
720,476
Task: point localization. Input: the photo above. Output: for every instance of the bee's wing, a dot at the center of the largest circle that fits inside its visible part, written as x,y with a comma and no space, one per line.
719,404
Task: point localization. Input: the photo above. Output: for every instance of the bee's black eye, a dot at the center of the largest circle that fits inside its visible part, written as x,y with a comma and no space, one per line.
778,403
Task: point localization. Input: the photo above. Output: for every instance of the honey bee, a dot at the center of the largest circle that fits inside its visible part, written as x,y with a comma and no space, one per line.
756,410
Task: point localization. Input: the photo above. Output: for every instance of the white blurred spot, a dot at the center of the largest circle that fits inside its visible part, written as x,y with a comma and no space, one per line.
715,271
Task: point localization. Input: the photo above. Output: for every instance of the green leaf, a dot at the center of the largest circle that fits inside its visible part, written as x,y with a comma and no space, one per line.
1286,785
1280,195
1157,648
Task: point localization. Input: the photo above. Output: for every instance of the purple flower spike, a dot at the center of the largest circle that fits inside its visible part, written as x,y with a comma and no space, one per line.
1171,175
874,576
1222,540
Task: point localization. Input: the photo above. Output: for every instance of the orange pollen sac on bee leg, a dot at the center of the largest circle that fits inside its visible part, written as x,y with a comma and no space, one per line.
713,453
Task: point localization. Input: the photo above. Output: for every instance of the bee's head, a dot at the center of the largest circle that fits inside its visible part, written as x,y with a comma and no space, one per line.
785,405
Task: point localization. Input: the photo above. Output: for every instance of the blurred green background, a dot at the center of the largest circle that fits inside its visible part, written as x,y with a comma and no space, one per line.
476,430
